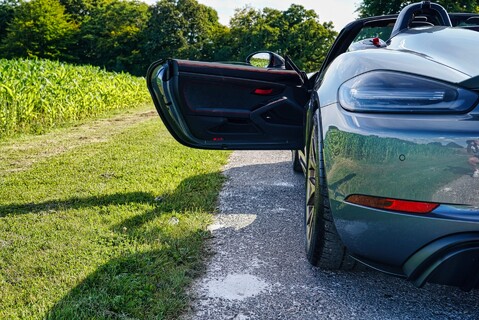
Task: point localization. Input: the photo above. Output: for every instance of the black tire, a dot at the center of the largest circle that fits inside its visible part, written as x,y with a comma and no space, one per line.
296,164
323,245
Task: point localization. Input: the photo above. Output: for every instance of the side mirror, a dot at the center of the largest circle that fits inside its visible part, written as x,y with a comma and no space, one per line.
266,59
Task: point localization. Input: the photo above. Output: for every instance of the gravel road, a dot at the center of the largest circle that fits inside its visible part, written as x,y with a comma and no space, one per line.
258,268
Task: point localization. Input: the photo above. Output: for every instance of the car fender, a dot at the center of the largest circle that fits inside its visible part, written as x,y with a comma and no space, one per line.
352,64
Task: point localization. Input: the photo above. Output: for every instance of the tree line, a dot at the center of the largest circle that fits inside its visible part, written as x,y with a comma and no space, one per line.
127,35
369,8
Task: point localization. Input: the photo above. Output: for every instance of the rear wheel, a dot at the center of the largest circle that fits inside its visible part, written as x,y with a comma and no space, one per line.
323,245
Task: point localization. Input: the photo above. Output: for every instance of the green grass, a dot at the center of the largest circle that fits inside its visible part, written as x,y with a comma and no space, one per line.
107,229
37,95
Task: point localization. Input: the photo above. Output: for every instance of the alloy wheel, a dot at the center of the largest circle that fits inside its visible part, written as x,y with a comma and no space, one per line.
311,186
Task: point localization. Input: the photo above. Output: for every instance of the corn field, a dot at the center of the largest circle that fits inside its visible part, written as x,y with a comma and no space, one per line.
36,95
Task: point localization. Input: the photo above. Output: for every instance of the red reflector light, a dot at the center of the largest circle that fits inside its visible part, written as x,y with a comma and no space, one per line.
263,91
392,204
218,139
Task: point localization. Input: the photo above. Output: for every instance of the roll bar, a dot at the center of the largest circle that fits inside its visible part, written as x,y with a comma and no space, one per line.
408,13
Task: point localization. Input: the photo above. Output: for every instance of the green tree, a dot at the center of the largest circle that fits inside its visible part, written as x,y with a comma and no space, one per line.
163,35
308,41
460,6
200,25
181,29
7,9
247,33
39,28
220,46
296,32
368,8
110,35
79,10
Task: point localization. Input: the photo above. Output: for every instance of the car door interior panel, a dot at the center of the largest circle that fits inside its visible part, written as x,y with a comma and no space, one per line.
223,105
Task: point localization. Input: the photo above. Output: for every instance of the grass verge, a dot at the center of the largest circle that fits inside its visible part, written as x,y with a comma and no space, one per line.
112,228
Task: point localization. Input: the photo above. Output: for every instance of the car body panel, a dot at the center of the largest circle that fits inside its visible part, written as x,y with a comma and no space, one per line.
455,48
390,237
414,157
407,55
346,67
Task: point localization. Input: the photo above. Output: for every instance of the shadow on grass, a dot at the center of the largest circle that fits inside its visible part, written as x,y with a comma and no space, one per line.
149,279
194,192
137,286
76,203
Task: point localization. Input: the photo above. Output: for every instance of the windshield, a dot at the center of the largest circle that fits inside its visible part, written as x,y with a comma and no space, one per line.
374,32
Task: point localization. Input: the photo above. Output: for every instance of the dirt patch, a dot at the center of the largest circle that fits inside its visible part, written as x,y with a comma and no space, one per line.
20,153
236,287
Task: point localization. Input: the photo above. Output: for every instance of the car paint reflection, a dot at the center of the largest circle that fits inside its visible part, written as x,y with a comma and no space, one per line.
400,158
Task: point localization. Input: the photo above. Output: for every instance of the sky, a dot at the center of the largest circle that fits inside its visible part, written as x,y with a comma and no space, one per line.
340,12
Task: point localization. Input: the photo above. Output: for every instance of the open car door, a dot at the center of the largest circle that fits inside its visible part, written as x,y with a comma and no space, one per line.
229,106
